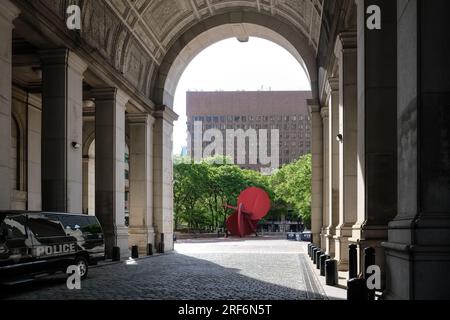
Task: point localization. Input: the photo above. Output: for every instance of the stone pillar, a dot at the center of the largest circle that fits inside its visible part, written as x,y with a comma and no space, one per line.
333,193
141,181
326,175
163,176
347,56
86,184
418,251
110,104
377,127
62,130
317,171
89,157
34,132
7,15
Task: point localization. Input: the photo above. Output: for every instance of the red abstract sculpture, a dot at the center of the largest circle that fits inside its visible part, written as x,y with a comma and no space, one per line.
253,205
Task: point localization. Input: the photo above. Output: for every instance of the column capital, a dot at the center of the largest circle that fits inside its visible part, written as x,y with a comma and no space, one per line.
313,106
333,83
63,57
324,112
331,86
166,113
345,41
9,11
140,118
108,94
76,63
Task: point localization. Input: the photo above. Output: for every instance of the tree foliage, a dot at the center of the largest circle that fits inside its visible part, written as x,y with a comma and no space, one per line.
201,190
292,184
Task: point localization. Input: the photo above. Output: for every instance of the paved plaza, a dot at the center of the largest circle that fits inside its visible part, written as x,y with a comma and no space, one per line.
250,269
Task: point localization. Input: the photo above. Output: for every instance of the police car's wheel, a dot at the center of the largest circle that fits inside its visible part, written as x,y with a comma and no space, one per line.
82,263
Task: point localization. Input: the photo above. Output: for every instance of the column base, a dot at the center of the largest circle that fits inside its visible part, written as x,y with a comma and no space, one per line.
141,237
330,245
417,272
341,252
168,242
117,238
122,242
323,237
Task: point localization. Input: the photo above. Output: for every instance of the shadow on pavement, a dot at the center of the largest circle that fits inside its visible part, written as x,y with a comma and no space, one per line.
167,277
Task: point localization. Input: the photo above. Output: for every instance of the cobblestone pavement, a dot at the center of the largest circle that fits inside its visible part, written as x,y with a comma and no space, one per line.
268,269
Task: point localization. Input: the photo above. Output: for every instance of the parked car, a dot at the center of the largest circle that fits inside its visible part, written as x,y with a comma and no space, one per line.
39,243
299,236
306,236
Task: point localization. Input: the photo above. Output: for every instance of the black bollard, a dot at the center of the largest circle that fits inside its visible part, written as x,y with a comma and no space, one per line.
318,254
323,258
352,261
313,253
309,249
149,249
369,260
356,290
134,252
331,274
116,254
161,244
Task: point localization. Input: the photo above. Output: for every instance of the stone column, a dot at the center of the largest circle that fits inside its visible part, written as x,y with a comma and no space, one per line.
62,130
141,181
347,56
317,171
418,251
88,145
86,184
326,175
333,193
34,132
163,176
377,125
110,104
7,15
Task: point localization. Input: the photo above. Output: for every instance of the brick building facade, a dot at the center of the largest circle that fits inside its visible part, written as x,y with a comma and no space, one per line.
285,111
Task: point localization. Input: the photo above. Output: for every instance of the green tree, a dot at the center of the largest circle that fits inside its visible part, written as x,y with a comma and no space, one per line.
292,184
203,189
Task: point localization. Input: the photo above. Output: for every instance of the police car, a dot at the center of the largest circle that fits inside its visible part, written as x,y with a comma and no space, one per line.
39,243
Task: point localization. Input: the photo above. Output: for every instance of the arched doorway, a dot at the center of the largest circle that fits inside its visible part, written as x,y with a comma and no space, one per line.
179,58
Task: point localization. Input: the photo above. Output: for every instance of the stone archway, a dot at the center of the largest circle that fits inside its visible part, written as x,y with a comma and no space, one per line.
185,43
228,25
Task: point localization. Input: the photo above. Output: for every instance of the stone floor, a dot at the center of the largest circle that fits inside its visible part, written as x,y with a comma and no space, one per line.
251,269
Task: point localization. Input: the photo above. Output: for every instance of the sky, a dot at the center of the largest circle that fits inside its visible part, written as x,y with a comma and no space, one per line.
230,65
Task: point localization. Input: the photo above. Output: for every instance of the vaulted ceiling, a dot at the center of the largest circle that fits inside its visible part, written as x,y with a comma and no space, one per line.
156,23
138,41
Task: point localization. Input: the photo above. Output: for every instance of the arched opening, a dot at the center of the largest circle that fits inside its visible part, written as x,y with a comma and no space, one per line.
179,60
241,25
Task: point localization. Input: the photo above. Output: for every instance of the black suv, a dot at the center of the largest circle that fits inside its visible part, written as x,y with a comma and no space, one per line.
41,243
